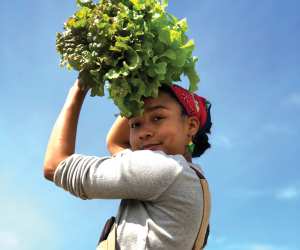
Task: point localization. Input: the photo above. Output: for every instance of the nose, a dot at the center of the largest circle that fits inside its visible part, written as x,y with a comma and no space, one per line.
146,133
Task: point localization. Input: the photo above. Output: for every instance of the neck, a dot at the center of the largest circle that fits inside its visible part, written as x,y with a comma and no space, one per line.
188,156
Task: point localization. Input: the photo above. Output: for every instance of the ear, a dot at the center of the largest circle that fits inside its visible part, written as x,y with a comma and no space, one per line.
193,125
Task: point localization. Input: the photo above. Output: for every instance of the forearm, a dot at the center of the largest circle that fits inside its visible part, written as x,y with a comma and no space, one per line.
63,136
118,136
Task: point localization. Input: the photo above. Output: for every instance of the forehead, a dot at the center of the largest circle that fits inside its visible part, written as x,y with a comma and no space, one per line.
163,102
162,99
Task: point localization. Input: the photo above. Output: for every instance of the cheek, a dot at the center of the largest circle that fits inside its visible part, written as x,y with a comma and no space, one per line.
170,135
175,137
133,140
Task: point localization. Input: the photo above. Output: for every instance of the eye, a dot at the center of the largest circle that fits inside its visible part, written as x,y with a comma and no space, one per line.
157,118
135,125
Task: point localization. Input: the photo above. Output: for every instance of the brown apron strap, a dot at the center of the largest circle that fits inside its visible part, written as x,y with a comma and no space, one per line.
204,225
108,236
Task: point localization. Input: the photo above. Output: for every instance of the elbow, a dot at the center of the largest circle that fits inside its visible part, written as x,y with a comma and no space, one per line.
114,147
108,143
49,170
48,174
109,147
50,167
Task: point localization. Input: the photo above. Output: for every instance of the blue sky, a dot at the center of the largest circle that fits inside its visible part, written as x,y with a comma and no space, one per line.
249,61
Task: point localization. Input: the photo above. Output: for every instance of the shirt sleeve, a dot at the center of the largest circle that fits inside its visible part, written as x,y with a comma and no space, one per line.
141,175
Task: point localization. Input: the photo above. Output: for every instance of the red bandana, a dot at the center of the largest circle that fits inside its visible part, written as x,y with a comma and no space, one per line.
194,105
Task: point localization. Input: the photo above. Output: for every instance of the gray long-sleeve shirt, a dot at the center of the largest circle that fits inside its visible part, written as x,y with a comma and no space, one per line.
161,195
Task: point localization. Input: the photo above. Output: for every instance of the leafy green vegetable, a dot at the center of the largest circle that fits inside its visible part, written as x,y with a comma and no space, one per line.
130,46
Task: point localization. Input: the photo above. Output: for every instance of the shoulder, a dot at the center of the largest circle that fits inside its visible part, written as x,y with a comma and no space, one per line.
155,155
197,167
149,160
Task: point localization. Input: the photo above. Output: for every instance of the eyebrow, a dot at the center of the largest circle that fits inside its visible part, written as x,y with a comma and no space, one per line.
151,108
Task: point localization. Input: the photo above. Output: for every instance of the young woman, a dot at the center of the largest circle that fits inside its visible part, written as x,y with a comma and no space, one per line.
151,168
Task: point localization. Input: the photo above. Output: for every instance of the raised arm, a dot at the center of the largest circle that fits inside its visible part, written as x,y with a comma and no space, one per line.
62,140
118,136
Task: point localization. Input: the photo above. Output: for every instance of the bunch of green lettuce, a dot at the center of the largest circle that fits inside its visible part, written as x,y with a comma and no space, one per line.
130,46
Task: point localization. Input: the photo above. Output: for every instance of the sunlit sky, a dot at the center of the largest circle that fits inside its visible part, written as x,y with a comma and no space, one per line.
249,59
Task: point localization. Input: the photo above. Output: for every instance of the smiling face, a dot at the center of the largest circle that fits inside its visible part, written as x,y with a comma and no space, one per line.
162,126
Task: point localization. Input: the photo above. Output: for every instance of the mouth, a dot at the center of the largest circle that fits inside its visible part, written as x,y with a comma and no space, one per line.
151,146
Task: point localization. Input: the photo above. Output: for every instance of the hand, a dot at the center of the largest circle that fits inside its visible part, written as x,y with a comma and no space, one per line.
84,81
81,86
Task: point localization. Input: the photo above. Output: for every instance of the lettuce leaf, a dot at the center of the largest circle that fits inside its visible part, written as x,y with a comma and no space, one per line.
130,46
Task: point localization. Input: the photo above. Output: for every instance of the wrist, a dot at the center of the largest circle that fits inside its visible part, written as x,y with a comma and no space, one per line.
75,96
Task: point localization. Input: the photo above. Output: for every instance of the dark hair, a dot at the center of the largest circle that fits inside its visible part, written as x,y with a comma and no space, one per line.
201,138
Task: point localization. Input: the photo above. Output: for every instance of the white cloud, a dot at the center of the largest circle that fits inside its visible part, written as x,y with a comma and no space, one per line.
292,99
222,141
9,240
288,193
24,225
224,243
256,246
247,193
276,128
220,240
262,247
